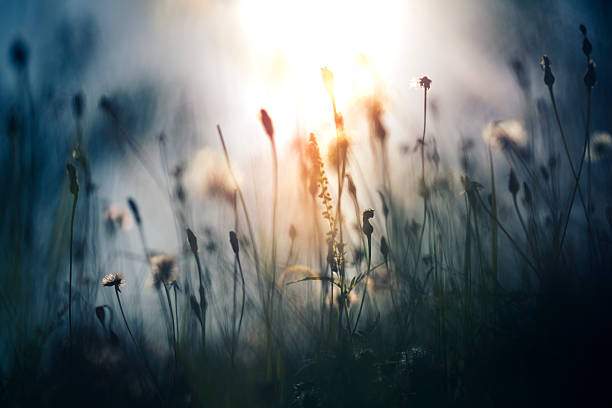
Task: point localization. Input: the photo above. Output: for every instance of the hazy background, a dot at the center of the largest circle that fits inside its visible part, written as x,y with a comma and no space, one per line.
181,67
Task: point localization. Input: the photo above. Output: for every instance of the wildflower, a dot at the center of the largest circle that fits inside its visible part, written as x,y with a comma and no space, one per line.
267,124
513,184
116,215
207,176
165,269
19,53
114,279
425,83
328,80
600,146
590,77
549,78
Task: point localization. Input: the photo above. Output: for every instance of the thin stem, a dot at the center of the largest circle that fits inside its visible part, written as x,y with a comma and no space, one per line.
243,296
176,312
512,241
171,316
244,208
127,326
274,214
567,152
74,203
203,302
365,289
576,184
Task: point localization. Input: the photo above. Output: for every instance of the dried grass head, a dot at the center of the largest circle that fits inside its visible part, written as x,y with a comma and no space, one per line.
507,135
116,215
164,270
337,152
600,146
207,176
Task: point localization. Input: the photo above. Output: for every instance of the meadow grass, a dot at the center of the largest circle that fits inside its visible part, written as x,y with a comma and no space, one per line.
481,299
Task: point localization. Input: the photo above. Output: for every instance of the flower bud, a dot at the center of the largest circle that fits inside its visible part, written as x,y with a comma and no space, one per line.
267,123
193,241
234,242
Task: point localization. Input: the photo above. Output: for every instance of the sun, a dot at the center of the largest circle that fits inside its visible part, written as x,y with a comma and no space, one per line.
290,41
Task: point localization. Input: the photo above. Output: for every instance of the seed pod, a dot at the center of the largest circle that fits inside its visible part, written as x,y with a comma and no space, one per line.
193,241
78,105
527,191
134,209
72,175
513,184
367,227
549,78
234,242
587,48
100,314
384,204
384,248
351,186
267,124
19,53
